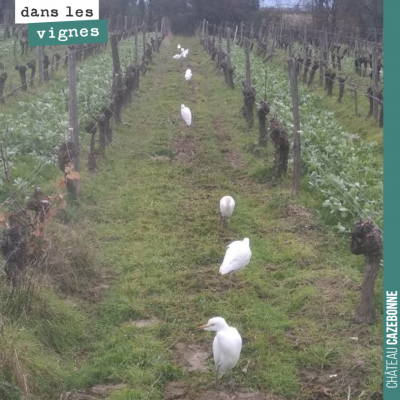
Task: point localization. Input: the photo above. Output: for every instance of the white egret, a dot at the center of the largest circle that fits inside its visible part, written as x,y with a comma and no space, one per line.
188,74
185,53
186,114
177,56
226,205
237,256
227,346
179,46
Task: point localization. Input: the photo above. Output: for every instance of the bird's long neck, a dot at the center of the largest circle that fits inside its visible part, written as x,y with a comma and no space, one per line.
223,327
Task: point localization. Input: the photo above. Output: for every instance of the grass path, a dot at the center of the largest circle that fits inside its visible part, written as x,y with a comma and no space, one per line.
152,213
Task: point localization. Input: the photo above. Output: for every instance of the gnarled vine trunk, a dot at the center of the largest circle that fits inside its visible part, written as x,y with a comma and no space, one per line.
367,240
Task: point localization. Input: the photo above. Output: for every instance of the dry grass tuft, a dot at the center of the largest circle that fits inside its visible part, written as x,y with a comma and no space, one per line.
69,260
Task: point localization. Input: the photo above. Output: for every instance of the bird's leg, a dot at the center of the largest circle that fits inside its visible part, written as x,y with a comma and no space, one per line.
224,222
233,279
216,377
232,382
230,279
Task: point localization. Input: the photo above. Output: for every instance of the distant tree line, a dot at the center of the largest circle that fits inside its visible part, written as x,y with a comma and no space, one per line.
346,15
184,14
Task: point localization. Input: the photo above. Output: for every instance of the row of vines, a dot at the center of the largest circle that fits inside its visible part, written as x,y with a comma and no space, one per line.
51,130
344,170
40,124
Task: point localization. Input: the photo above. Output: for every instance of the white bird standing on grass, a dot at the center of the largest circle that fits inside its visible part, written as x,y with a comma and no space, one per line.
227,346
237,256
226,205
186,115
188,74
177,56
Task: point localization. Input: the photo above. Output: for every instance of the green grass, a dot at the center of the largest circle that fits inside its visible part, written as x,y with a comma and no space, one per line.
151,212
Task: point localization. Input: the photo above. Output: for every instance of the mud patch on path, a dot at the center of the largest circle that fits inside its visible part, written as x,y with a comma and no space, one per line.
214,395
300,214
332,385
186,149
175,390
192,357
97,392
209,279
100,287
230,154
144,323
180,391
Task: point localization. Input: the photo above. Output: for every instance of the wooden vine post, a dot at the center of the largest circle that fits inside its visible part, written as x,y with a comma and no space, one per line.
260,37
73,185
219,59
296,127
156,38
249,94
117,83
144,38
137,66
40,61
375,80
229,69
321,61
207,40
355,103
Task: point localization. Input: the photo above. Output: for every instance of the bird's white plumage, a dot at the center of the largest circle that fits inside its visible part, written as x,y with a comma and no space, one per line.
179,46
227,205
186,114
237,256
177,56
227,344
188,74
185,53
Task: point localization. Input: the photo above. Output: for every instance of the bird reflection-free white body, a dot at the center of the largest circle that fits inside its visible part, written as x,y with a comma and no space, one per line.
186,114
188,74
227,345
227,205
237,256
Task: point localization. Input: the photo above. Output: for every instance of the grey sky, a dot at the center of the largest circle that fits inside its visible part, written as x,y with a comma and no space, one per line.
273,2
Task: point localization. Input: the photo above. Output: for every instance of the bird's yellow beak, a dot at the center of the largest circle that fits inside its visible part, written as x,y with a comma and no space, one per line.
203,326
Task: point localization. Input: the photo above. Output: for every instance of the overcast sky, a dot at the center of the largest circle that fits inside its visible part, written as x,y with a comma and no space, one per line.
273,2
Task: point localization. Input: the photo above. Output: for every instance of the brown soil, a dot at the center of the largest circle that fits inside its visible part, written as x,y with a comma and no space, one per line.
175,390
209,279
230,154
144,323
178,390
299,215
186,149
192,357
94,393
